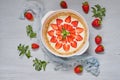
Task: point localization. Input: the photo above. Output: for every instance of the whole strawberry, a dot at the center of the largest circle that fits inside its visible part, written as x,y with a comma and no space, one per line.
78,69
35,46
63,4
85,7
29,16
98,39
99,49
96,23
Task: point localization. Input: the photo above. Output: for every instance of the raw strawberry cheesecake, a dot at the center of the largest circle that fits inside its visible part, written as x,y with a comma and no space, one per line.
64,32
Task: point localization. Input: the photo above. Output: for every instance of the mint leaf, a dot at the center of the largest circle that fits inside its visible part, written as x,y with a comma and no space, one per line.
28,54
30,32
98,11
39,64
24,50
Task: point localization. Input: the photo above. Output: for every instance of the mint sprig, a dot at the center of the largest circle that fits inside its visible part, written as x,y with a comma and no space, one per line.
24,50
65,33
98,11
39,64
30,32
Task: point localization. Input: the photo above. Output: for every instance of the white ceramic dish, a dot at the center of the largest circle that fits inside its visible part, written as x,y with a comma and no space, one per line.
80,52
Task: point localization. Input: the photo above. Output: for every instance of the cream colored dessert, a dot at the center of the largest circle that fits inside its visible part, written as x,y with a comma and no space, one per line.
64,32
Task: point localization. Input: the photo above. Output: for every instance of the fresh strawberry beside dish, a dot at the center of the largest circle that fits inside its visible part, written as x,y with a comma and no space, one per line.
96,23
78,69
85,7
63,4
35,46
98,39
29,16
99,49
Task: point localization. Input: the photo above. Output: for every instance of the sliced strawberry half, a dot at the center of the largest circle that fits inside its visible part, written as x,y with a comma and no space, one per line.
72,31
73,44
66,47
51,33
79,38
58,45
73,35
53,39
64,40
79,30
54,26
65,26
70,39
59,37
70,28
60,27
74,23
68,19
58,32
59,21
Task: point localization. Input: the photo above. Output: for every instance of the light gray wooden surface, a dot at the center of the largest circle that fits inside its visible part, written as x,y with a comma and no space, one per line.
12,32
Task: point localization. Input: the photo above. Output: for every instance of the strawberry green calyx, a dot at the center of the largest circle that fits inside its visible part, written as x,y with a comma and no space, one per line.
85,3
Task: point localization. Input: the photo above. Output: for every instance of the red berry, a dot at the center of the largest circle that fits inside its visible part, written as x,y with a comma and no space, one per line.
99,49
98,39
63,4
29,16
85,7
35,46
96,23
78,69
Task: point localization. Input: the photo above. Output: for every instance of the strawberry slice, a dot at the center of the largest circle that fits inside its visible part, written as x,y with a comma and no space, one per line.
78,38
51,33
73,35
74,23
70,28
65,26
58,32
59,21
73,44
68,19
60,27
54,26
59,37
72,31
58,45
66,47
64,40
70,39
53,39
79,30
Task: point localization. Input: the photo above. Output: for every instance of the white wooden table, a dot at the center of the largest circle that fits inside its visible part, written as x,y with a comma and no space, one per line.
13,32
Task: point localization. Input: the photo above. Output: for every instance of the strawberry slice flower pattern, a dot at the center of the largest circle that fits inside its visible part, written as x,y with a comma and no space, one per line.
65,33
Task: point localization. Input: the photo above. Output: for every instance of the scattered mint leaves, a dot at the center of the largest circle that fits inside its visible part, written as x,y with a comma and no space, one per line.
98,11
30,32
24,50
39,64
